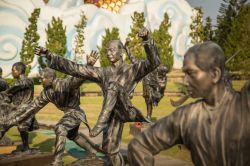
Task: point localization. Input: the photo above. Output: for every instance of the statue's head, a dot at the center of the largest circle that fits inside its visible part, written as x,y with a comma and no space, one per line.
204,66
47,76
114,50
18,69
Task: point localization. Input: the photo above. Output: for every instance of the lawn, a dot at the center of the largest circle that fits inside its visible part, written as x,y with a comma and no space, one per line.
92,107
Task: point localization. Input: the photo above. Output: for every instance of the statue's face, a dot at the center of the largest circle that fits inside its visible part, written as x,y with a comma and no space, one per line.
15,73
199,82
113,52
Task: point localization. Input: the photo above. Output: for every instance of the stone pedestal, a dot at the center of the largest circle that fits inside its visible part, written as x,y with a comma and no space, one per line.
26,159
88,162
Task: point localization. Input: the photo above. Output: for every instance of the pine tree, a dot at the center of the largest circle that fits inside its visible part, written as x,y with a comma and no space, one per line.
239,40
208,31
109,35
163,42
56,40
228,11
79,39
196,27
137,49
30,41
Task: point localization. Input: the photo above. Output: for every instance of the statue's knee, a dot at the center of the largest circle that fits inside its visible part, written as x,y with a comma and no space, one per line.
60,130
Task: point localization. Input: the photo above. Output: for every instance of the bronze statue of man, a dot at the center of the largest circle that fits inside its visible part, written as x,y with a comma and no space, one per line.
65,95
154,85
215,128
117,81
20,93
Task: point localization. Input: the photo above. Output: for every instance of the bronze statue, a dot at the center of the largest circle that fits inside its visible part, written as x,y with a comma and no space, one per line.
215,128
65,94
117,82
3,86
20,93
154,85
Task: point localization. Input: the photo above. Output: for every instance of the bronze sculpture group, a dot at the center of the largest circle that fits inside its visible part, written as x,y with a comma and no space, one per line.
215,128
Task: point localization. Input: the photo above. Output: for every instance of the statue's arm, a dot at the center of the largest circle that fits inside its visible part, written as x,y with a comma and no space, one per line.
20,85
131,57
164,134
25,111
68,67
145,67
74,69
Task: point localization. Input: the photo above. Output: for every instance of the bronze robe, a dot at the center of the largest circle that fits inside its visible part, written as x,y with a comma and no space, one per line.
216,136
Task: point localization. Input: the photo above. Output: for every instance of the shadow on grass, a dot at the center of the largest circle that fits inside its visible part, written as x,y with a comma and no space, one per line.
46,146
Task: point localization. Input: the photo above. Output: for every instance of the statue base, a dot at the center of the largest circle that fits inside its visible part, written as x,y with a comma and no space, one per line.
88,162
30,158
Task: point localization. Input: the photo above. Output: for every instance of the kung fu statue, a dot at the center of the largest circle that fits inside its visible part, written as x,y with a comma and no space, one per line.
215,128
22,92
117,82
65,94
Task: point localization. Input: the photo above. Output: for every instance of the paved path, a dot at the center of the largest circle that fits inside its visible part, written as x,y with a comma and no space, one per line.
159,159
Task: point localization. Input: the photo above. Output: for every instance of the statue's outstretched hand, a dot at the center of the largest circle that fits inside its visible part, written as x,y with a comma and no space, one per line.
92,58
41,51
144,33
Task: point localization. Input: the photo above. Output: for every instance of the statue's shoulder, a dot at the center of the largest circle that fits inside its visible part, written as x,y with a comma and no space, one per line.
193,106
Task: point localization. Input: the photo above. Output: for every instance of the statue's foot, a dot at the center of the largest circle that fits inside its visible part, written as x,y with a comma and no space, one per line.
22,149
26,149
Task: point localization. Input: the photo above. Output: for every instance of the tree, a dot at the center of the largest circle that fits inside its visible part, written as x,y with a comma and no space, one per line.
229,9
208,31
109,35
56,40
239,40
196,27
79,39
163,42
135,45
30,41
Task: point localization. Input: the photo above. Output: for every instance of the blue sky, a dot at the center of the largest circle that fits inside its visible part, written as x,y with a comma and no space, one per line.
210,7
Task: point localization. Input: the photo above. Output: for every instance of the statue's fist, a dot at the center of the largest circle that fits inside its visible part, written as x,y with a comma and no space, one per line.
143,33
41,51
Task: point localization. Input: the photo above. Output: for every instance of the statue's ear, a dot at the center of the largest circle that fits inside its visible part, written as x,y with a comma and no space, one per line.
216,74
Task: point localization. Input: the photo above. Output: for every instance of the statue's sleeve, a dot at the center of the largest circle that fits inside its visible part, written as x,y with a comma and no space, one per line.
73,82
26,111
131,57
76,70
20,85
162,135
142,68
